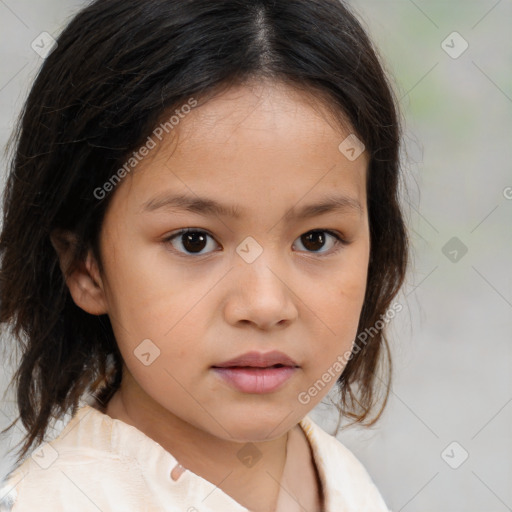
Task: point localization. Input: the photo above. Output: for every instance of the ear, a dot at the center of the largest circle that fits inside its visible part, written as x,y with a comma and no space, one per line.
84,281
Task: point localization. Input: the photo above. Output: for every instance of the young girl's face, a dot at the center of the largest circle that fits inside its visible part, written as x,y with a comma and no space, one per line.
261,281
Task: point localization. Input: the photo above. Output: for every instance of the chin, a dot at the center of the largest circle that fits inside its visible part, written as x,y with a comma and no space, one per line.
254,427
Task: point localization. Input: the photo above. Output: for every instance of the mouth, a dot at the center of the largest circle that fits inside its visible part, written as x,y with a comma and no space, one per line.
259,360
257,373
255,367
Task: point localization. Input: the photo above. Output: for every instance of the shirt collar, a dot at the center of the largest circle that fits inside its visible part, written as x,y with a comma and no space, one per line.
128,442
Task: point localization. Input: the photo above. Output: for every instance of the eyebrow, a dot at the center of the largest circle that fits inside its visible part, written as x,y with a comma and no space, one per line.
206,206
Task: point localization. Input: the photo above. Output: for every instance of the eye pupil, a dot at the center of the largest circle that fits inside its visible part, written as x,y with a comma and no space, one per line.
194,241
313,238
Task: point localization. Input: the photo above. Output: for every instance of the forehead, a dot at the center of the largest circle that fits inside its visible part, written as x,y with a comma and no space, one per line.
255,145
257,113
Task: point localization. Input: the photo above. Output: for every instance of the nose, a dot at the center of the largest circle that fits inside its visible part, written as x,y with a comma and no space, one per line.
261,296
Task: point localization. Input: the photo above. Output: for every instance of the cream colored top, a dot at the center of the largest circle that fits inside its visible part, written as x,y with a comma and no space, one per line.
98,463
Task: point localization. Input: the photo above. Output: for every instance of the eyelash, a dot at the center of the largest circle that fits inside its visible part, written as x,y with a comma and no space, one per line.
339,244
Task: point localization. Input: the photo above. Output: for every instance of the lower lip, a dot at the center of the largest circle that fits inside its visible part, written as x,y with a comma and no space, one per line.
256,380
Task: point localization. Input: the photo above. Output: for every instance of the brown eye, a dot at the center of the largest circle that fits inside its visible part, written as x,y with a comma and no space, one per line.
314,241
192,241
196,242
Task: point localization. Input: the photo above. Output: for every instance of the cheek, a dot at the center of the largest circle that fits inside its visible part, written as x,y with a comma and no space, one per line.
339,310
146,297
342,301
151,300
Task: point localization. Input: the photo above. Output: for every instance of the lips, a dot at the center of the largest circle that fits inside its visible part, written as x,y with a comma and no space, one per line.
256,372
259,360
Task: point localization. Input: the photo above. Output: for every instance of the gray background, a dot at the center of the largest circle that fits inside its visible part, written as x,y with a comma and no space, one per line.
451,342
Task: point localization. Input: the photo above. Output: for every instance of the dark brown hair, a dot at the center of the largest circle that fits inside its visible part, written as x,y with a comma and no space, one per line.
118,67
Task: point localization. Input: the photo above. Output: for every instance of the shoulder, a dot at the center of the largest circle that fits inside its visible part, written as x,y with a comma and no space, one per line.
50,480
78,467
8,493
347,483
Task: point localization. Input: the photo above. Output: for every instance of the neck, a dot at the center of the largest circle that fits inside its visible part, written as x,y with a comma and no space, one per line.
248,472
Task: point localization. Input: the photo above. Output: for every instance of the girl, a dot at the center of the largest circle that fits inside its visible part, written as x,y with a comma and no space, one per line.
200,223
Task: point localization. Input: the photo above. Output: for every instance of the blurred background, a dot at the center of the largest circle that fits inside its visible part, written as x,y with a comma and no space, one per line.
444,442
